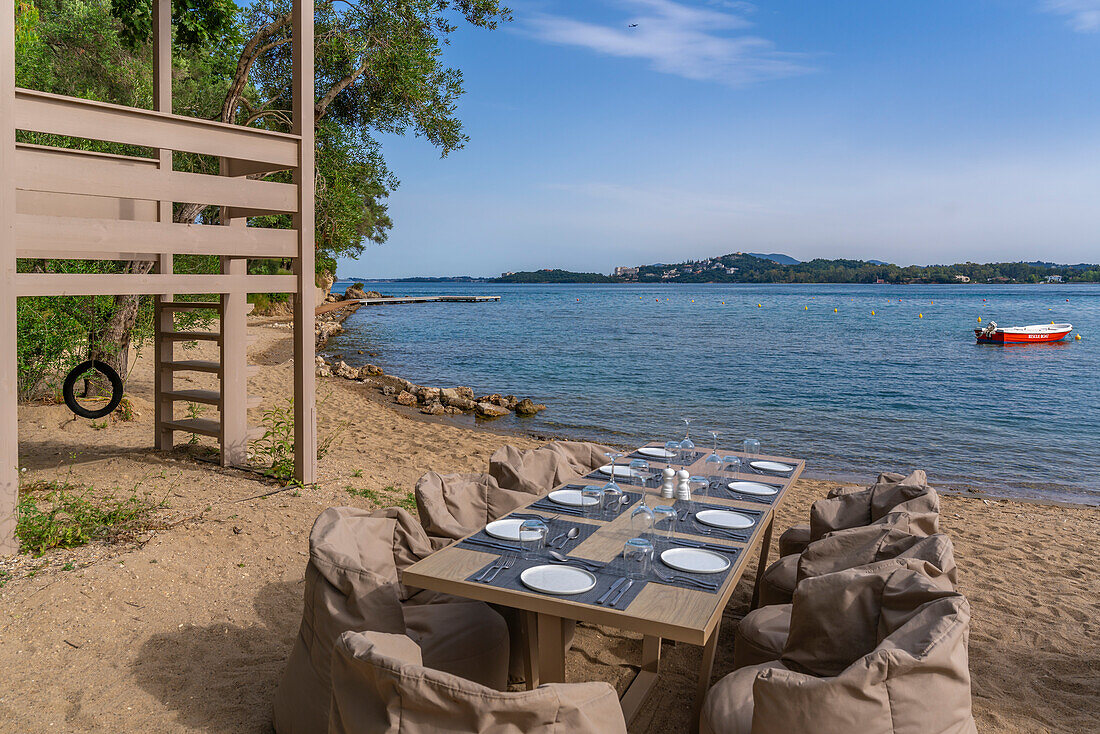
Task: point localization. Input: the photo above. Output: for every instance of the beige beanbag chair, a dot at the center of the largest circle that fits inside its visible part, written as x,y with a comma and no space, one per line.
879,649
351,583
909,504
380,685
761,635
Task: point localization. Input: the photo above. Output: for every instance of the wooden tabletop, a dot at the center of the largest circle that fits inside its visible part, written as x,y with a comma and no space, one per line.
659,610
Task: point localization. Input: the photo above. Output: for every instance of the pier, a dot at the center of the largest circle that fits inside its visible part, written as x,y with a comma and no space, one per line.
394,300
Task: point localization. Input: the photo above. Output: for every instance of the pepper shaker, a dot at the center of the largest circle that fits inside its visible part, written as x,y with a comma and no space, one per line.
683,486
668,486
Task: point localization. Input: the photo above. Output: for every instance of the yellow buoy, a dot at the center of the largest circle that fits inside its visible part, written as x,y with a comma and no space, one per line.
920,316
1078,337
760,305
979,319
834,310
807,308
693,300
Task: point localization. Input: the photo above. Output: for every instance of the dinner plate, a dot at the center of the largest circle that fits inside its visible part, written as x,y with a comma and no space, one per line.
725,519
557,579
753,488
571,497
695,560
620,471
506,528
771,466
656,452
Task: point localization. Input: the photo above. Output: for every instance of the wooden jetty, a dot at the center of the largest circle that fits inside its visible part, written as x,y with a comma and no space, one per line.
394,300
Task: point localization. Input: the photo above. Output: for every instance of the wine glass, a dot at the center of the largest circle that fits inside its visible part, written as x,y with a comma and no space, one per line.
640,468
714,461
614,456
687,446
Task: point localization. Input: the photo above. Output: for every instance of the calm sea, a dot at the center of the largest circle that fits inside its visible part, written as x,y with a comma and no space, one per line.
867,387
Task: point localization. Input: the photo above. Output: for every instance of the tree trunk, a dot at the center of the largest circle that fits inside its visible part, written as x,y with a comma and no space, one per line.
111,343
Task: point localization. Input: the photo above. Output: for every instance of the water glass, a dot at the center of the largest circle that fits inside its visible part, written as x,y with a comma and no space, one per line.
733,462
592,501
640,468
700,486
532,537
673,449
664,520
641,520
751,447
610,499
638,554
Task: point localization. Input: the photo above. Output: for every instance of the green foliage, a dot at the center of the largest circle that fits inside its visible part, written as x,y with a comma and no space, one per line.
554,276
368,494
63,515
276,447
408,501
196,23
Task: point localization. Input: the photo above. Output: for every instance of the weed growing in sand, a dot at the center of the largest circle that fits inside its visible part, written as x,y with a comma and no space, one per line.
68,566
408,501
65,515
194,410
276,446
4,576
367,494
357,473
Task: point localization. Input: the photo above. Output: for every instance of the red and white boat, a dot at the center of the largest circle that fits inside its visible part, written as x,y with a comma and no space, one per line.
1034,334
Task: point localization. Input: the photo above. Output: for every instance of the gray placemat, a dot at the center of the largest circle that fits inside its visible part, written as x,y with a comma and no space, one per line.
718,578
746,468
741,496
605,578
545,504
689,527
556,526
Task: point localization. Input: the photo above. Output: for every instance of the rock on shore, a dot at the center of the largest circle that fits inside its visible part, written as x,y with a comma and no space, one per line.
431,400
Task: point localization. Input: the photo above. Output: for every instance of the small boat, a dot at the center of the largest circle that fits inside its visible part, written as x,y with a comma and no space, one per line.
1034,334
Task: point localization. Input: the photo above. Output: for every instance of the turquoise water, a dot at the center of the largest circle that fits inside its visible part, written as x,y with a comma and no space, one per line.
853,393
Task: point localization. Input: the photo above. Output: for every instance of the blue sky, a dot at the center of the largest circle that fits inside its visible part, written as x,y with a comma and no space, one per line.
914,132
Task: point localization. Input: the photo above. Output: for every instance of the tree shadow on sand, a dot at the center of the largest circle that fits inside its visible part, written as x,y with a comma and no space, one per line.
222,677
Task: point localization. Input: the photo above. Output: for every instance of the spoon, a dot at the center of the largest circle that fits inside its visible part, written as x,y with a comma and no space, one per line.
571,535
554,555
622,502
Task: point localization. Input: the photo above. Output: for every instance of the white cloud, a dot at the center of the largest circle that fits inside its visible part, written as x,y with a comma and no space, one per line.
676,38
1084,15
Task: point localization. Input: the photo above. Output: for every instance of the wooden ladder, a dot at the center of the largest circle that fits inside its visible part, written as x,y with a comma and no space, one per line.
231,398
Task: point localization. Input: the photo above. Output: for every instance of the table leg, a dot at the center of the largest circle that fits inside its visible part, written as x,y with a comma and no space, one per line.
706,668
638,691
530,625
551,649
765,545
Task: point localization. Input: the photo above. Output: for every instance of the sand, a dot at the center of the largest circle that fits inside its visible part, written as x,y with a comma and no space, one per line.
187,628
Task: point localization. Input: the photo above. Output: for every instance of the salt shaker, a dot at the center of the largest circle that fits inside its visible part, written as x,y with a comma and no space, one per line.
668,487
683,486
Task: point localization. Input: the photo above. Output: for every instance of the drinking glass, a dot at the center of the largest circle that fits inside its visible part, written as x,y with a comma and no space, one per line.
700,486
638,553
751,447
640,468
614,456
641,520
734,462
592,501
714,461
673,449
664,520
532,537
610,499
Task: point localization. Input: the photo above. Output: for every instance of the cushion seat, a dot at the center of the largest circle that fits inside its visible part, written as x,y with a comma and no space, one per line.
761,635
727,708
794,539
778,582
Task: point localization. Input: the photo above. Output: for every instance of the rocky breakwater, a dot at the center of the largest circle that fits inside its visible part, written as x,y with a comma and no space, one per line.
431,400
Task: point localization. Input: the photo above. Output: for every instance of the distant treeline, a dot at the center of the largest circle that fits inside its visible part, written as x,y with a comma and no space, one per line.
738,268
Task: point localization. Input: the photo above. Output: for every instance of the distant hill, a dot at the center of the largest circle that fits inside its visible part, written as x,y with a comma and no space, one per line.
553,276
877,262
776,257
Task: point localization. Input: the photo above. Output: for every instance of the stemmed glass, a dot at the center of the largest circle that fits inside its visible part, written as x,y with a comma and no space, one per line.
687,446
714,461
640,468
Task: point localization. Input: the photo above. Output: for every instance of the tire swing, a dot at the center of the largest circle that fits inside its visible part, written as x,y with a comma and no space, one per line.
79,371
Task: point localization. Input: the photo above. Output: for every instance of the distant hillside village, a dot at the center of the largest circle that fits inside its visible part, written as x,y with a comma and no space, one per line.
741,267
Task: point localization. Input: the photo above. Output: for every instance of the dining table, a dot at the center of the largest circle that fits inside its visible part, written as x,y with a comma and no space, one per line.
689,612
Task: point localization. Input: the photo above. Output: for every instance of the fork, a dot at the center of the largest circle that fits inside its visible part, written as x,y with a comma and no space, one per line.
673,578
508,560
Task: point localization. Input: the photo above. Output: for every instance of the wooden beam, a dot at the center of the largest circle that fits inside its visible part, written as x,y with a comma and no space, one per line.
82,118
96,284
9,371
42,172
163,321
105,239
305,376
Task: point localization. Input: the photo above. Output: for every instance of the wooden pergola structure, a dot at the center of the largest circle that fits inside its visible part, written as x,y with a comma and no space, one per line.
60,203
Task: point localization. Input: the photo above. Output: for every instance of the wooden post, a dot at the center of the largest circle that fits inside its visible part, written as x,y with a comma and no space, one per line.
234,377
163,321
9,364
305,376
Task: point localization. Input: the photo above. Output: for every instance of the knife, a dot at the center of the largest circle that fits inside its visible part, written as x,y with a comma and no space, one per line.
619,595
611,591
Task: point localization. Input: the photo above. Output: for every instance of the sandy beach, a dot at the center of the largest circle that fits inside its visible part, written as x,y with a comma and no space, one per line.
187,628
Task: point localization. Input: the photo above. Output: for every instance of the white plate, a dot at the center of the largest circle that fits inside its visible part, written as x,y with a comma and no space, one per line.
505,529
555,579
771,466
725,519
571,497
655,452
695,560
753,488
620,471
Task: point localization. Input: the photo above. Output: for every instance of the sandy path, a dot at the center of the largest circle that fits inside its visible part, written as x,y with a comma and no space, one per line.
189,630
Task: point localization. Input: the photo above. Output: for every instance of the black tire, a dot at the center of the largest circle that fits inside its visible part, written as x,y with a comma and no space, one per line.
106,371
